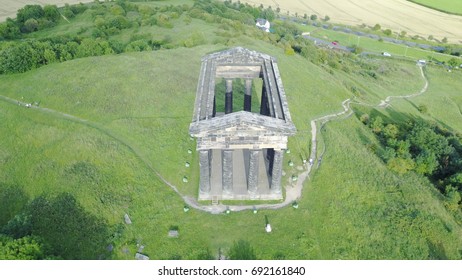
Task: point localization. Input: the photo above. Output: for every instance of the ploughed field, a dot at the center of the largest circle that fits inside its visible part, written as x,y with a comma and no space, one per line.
398,15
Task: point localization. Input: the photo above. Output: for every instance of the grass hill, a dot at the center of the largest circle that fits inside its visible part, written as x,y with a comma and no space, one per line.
106,127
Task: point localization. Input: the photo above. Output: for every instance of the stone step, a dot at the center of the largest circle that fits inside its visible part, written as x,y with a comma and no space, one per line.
215,200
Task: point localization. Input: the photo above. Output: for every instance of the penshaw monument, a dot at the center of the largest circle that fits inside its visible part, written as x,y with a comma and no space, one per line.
240,145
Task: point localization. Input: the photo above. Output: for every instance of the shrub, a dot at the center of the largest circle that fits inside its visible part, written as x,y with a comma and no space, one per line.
138,46
29,12
30,25
197,38
242,250
288,50
423,109
51,13
18,58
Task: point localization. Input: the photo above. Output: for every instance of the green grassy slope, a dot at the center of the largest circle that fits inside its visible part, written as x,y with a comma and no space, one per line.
132,116
343,206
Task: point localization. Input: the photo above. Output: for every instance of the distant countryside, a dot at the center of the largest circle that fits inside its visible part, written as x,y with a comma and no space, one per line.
448,6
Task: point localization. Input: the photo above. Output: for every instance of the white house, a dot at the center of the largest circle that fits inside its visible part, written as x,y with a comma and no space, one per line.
263,24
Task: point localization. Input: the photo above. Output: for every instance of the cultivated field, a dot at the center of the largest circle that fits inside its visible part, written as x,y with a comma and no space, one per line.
450,6
397,15
8,8
394,14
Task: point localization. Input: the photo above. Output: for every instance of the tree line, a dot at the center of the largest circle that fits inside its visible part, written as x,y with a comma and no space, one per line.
424,148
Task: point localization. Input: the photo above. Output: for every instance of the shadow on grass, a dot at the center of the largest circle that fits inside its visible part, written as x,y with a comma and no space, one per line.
12,201
66,229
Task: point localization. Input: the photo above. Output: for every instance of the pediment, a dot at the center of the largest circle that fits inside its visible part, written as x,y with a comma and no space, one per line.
241,124
238,56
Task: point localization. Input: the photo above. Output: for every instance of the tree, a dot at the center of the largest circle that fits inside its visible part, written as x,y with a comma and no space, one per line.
18,58
30,25
377,125
453,62
390,131
364,118
25,248
12,200
9,29
400,165
376,27
326,18
49,56
426,163
445,40
138,46
117,10
242,250
29,11
387,32
453,199
313,17
51,13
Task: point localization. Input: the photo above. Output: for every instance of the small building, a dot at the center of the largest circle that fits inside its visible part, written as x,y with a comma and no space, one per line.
263,24
241,147
421,62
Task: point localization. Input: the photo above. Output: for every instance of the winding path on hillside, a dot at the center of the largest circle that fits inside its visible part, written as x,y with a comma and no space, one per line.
293,192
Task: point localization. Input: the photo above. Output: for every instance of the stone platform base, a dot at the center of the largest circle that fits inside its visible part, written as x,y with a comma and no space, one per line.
241,161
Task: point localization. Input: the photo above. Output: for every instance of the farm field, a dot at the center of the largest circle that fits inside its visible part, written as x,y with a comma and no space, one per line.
373,45
449,6
111,131
397,15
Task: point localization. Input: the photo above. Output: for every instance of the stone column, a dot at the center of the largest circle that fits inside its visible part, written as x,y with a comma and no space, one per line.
252,179
227,171
204,165
229,97
264,101
214,107
248,96
276,173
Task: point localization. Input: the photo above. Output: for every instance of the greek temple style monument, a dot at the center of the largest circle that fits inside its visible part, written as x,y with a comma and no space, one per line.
240,148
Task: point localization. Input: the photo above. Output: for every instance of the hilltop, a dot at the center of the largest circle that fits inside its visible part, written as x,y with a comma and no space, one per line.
106,130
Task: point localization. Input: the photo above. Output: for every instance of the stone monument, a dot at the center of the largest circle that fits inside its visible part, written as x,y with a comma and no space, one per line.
240,149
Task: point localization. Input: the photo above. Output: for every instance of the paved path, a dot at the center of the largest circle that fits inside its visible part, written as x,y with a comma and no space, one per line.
293,192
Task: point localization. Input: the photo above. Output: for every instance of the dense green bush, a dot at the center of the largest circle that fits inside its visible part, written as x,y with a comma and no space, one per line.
25,248
424,148
242,250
